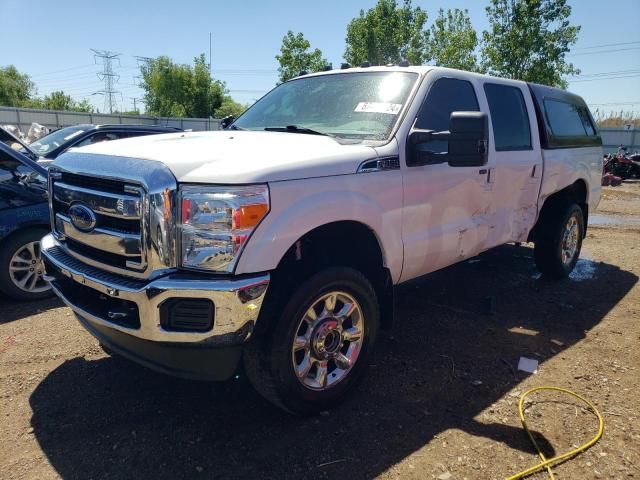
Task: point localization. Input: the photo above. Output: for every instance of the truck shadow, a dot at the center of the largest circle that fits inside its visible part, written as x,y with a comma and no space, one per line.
12,310
465,325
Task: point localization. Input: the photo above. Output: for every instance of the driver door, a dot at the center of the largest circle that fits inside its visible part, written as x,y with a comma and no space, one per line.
447,210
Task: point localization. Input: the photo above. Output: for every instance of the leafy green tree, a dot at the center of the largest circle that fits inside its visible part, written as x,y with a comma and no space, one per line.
16,88
58,100
388,33
453,40
529,40
229,107
296,56
175,90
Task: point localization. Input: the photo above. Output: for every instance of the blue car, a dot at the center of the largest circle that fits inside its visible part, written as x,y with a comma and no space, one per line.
24,220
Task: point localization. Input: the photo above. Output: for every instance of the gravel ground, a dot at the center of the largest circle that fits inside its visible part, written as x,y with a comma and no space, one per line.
439,402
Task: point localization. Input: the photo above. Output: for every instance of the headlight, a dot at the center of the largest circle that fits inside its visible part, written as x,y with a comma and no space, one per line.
216,222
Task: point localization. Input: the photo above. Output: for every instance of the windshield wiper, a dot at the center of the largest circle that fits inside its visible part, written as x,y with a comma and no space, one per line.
296,129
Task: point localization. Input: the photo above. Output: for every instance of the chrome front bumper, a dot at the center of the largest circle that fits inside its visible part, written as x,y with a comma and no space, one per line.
237,301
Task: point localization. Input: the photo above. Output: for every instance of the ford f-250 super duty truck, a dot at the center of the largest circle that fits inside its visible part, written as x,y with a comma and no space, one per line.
279,241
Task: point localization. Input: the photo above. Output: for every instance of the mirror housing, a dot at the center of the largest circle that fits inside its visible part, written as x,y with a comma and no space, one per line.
227,121
467,138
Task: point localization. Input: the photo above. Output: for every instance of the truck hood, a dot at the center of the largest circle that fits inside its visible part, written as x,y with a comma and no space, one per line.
240,156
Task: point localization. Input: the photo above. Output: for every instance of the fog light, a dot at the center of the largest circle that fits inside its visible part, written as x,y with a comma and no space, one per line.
187,314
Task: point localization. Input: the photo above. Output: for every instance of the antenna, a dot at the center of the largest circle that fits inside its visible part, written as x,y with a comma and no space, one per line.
108,77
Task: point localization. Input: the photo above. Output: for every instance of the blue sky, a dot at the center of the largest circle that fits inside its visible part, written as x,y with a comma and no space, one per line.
51,41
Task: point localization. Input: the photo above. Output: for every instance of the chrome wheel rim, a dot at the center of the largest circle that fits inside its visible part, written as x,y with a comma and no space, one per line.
327,341
26,269
570,240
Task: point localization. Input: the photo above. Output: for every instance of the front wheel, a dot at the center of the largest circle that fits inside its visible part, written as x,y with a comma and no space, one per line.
21,267
559,240
320,345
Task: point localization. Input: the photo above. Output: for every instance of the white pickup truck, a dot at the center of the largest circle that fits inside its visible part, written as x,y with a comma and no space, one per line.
278,241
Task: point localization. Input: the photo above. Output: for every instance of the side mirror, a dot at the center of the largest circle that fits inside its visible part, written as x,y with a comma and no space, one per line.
468,139
227,121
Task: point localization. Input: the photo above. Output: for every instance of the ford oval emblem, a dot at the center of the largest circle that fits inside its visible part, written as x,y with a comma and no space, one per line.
82,217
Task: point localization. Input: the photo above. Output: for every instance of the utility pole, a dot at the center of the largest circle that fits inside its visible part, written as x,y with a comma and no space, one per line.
135,104
107,75
210,53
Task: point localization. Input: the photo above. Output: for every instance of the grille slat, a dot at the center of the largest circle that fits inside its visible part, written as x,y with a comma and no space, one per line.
94,183
123,225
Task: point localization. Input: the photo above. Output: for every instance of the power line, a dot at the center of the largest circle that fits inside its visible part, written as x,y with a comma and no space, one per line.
607,45
604,78
108,77
614,103
602,51
248,91
38,75
600,74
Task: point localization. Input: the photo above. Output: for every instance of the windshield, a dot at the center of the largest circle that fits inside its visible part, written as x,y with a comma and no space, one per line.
350,105
55,139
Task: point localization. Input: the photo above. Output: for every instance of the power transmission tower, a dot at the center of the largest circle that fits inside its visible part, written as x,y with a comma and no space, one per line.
143,62
108,77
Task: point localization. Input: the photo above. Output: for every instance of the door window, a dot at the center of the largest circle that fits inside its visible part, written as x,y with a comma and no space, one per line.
101,137
509,117
445,96
19,184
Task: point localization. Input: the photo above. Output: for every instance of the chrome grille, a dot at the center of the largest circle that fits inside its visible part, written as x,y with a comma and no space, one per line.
132,208
116,241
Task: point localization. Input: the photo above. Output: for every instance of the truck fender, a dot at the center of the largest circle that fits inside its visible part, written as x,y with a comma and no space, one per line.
292,217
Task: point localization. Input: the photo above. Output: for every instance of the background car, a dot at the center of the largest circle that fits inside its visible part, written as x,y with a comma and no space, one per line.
24,220
59,141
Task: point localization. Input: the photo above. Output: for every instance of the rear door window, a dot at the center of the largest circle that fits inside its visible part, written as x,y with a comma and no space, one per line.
509,117
564,118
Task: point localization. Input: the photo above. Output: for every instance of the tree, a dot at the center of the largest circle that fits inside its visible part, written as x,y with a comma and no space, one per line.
15,88
296,56
453,41
386,34
529,39
58,100
229,107
174,90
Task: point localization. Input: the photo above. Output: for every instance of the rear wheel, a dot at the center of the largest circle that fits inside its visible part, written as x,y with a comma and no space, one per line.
320,344
21,267
559,240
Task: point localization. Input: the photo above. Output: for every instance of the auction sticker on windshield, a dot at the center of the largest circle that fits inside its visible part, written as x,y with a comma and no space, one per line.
379,107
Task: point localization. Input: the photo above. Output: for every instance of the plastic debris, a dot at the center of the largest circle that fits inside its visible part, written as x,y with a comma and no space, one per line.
528,365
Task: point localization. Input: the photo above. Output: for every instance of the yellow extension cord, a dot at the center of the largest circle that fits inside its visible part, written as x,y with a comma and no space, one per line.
559,458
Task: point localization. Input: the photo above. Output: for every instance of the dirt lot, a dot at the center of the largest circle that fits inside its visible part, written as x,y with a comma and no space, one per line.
440,401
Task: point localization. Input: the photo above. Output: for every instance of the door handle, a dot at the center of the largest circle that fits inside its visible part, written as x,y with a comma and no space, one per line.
483,171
